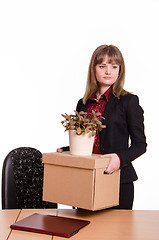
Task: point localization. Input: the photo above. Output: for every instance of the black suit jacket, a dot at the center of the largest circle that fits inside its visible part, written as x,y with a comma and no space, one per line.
124,132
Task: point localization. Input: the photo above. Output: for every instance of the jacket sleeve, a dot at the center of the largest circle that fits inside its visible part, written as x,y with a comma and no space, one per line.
135,123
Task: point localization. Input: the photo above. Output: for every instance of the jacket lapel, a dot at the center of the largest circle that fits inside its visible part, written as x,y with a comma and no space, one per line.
107,120
110,107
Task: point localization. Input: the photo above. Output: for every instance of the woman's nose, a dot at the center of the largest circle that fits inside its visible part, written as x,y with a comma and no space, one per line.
107,70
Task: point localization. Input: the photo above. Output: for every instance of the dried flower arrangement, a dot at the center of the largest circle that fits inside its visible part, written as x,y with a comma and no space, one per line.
83,122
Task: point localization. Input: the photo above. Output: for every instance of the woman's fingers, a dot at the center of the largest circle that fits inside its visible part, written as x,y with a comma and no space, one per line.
59,150
114,163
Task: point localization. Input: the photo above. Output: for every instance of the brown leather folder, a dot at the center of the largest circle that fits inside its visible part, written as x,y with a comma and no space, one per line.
50,224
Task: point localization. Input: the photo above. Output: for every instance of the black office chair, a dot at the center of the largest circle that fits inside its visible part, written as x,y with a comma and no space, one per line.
22,180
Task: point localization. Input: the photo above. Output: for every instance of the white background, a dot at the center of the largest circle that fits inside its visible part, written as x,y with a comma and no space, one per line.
45,49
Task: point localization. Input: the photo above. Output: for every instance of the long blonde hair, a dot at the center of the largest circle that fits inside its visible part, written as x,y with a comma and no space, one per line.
114,55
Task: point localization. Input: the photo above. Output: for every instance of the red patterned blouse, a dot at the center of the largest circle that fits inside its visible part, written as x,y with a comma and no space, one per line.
98,106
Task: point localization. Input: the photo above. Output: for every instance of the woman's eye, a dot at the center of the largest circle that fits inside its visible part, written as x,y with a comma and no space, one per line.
114,66
101,66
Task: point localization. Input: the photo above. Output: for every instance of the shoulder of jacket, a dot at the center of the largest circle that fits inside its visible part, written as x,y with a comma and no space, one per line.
80,101
80,105
128,97
128,100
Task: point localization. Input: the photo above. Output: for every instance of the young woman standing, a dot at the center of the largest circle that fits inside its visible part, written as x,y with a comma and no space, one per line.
123,139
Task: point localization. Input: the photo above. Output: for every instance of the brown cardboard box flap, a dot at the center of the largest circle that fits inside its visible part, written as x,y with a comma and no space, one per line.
66,159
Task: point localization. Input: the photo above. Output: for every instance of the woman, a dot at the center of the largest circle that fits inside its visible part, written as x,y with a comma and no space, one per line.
123,139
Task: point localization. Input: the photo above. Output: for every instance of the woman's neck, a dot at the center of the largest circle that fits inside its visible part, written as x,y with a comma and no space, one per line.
101,91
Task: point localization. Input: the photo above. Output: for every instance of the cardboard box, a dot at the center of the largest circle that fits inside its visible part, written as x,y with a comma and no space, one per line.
79,181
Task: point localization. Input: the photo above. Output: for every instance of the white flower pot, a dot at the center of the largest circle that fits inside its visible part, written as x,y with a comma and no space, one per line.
81,145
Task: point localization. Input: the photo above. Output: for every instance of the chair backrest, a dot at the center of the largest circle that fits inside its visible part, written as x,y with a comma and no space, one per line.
22,180
8,184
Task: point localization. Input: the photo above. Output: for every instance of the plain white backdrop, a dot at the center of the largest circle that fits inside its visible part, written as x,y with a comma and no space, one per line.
45,49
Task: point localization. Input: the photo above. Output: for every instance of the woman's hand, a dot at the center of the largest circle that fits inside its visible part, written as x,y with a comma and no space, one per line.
114,163
59,150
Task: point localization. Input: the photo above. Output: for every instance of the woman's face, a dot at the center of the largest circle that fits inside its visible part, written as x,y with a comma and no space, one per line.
107,73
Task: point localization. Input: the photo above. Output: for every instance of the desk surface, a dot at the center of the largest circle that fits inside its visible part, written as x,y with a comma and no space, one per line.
106,224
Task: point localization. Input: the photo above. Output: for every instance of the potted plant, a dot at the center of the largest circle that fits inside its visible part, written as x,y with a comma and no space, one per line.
82,127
